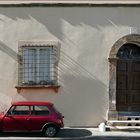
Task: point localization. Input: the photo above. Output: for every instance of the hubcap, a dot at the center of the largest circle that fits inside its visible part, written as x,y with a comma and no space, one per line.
50,131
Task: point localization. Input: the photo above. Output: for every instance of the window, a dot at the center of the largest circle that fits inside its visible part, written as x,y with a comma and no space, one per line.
40,110
38,64
129,51
19,110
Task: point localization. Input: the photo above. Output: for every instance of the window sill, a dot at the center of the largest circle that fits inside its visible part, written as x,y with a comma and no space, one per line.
53,87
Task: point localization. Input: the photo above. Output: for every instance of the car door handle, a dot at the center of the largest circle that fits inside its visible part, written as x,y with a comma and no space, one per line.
28,119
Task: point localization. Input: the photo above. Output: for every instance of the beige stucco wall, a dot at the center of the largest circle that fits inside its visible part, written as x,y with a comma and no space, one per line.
86,36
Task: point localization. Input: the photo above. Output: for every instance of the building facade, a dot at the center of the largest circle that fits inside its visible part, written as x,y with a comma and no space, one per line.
82,56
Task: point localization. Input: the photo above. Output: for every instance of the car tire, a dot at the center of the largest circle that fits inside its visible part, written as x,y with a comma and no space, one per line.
50,131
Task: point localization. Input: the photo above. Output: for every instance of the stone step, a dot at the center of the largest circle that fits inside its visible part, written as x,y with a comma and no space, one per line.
123,122
128,117
123,128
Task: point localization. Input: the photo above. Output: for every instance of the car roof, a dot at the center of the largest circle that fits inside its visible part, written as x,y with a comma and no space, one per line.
31,103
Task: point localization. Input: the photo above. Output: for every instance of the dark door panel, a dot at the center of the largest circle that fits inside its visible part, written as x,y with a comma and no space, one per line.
122,81
128,85
122,98
135,99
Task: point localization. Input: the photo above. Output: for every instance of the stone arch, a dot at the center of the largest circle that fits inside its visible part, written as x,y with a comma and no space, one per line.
133,39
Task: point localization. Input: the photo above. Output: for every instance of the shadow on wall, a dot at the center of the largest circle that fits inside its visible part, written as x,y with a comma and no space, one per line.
6,49
83,95
75,16
87,97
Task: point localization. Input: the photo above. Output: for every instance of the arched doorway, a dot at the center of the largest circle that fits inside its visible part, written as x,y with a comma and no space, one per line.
124,85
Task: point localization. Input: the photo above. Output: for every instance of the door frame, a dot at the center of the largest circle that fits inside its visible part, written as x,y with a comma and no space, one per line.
133,39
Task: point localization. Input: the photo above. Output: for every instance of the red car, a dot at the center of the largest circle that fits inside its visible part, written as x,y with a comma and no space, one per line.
32,117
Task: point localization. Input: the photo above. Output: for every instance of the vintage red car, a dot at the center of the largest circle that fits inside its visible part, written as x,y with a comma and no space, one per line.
31,117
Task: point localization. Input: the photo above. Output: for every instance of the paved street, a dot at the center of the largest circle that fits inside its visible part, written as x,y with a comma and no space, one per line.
75,133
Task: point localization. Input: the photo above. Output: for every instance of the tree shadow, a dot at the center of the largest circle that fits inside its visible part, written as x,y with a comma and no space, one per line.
79,84
7,50
76,17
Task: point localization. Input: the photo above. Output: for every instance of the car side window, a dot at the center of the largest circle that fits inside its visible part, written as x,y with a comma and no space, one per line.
19,110
40,110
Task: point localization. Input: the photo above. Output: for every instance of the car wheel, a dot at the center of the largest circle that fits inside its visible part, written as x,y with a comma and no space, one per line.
50,131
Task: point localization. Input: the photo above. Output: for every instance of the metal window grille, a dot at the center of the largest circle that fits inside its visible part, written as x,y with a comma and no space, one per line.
38,65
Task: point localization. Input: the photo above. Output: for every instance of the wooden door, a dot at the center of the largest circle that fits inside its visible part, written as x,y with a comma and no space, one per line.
128,85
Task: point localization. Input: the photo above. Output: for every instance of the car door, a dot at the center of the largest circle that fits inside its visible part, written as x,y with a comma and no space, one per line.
40,115
17,119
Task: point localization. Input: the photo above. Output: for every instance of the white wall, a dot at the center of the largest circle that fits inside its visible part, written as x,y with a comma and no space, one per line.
86,36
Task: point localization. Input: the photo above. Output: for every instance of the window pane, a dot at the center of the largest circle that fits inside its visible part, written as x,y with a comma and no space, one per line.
29,64
44,65
21,110
40,110
38,66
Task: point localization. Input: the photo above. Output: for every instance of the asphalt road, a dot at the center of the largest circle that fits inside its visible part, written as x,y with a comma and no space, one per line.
74,134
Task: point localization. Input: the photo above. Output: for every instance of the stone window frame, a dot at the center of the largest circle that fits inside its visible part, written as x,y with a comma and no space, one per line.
133,39
56,45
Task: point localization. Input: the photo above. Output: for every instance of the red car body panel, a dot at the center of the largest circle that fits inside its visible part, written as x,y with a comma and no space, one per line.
15,123
30,122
